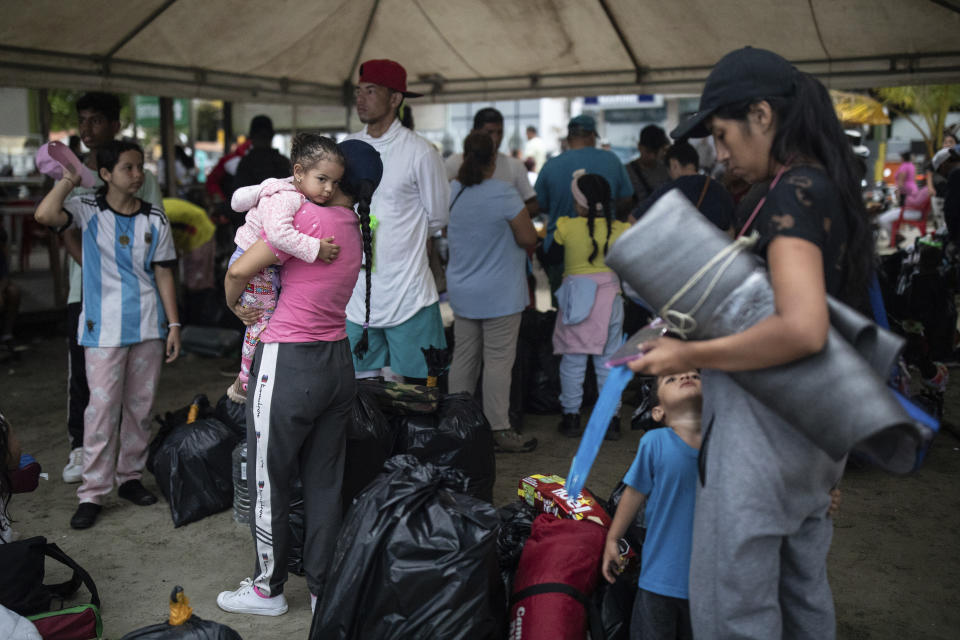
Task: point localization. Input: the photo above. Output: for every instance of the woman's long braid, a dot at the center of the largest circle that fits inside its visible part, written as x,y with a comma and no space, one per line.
363,209
608,216
591,215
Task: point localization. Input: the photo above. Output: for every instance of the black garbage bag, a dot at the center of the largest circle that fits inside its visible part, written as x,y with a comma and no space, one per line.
642,419
193,467
539,368
196,628
457,436
233,414
370,441
173,419
637,531
613,603
212,342
516,519
193,628
415,558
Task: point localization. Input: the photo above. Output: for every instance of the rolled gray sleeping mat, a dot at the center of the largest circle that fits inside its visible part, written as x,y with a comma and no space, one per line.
837,398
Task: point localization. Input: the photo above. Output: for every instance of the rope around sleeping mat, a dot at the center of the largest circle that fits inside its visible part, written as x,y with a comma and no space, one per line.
683,323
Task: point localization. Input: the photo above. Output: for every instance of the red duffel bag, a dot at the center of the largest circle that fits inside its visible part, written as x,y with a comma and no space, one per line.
558,571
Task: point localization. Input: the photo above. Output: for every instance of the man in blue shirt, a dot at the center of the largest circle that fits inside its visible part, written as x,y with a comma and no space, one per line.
553,184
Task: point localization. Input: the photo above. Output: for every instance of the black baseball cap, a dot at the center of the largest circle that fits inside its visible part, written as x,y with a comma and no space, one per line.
743,74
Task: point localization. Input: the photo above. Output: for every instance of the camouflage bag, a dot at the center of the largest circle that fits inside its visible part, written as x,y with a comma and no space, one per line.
401,399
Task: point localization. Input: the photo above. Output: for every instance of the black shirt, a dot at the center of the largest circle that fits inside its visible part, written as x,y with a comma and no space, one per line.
717,204
806,204
260,164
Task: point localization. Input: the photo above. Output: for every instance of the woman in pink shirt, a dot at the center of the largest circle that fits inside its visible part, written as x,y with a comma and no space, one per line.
270,207
906,177
302,385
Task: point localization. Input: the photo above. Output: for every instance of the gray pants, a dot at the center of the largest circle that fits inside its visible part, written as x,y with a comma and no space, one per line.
657,617
761,534
299,402
492,344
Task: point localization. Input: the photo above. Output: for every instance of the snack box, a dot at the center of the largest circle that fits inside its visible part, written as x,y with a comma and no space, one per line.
549,495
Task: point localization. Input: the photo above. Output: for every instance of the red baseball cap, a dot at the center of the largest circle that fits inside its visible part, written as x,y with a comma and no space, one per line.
386,73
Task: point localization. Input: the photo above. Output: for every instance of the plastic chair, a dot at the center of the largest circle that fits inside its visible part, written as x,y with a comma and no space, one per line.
920,224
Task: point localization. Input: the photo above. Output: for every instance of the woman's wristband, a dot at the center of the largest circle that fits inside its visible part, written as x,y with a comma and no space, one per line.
171,325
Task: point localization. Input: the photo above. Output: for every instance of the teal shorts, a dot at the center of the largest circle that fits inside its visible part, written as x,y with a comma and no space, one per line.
399,347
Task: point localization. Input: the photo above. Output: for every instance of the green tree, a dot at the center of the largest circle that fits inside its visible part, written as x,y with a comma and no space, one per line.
63,110
209,119
929,103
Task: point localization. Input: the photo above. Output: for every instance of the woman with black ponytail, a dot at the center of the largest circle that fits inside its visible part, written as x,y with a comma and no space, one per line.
489,233
761,528
590,316
302,385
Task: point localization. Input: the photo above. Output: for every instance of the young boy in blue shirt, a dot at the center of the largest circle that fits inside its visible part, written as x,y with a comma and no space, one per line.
663,481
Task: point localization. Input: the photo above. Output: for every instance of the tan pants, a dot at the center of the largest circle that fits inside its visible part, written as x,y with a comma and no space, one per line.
491,344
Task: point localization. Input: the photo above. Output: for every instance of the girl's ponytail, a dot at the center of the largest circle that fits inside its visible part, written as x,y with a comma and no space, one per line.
364,194
597,192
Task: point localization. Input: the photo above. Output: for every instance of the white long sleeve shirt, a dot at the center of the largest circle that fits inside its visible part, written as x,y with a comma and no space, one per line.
410,205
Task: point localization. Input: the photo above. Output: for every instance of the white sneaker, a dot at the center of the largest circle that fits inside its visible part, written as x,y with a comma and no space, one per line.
247,600
73,472
313,603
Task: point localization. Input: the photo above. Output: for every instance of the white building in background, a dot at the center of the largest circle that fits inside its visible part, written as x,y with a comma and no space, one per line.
18,145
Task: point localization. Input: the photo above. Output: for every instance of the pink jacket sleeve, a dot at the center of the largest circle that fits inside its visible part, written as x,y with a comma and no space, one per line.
276,214
245,198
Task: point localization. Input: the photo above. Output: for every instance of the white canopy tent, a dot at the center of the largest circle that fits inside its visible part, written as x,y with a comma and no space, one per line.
293,51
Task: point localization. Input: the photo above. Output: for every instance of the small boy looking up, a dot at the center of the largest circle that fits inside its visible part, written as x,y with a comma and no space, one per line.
663,481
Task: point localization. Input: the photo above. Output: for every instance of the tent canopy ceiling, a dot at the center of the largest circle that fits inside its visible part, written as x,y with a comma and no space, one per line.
458,50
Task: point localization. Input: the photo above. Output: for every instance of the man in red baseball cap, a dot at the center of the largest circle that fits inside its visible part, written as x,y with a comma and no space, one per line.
380,93
410,206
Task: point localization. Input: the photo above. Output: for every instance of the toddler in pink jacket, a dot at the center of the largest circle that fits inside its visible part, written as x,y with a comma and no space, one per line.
270,206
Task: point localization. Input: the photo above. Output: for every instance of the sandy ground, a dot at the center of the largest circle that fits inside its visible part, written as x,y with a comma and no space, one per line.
894,564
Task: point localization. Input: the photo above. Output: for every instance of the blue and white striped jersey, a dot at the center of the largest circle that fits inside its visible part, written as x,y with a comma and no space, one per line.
121,302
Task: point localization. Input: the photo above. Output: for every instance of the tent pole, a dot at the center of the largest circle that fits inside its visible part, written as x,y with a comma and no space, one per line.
133,117
227,126
167,141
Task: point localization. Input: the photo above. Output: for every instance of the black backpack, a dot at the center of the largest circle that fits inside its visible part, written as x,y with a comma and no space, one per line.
23,591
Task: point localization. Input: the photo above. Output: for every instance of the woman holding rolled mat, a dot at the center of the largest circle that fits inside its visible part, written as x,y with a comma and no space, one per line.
761,530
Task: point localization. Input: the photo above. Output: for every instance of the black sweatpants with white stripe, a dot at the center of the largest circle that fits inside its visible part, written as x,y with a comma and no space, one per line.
299,402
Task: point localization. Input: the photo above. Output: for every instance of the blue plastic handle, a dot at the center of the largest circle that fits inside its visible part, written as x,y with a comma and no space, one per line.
603,412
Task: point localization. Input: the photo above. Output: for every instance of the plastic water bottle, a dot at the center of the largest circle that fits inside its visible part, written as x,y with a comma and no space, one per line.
241,499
